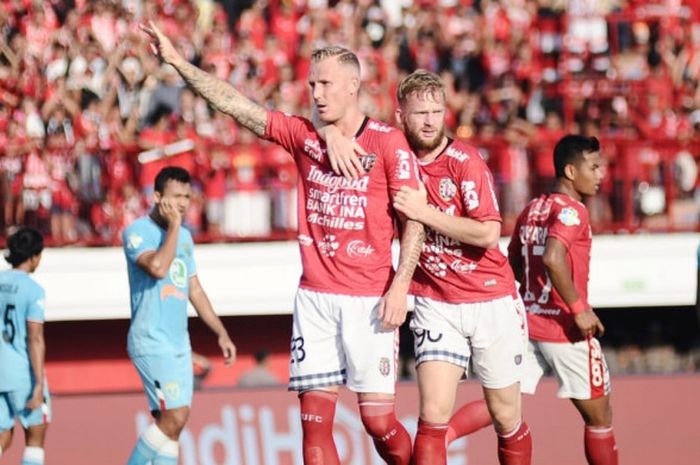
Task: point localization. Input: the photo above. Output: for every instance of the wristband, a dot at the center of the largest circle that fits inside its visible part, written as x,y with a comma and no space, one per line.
578,306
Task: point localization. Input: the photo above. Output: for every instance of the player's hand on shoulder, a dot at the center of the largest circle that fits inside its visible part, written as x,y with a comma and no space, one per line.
228,348
589,324
343,153
411,202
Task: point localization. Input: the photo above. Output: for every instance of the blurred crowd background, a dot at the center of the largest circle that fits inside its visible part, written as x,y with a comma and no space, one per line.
88,115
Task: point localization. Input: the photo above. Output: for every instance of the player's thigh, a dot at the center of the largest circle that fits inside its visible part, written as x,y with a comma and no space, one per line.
498,342
317,358
371,352
579,367
7,413
437,334
37,417
534,367
167,379
437,388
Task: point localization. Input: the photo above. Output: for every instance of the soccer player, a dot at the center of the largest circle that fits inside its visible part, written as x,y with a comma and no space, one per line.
550,254
464,288
349,301
162,278
24,392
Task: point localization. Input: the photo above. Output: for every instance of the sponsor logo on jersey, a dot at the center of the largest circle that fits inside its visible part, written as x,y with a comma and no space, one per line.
403,164
335,183
471,197
187,248
569,217
463,267
305,240
171,291
178,273
313,149
134,241
358,249
377,126
457,154
447,189
384,366
328,245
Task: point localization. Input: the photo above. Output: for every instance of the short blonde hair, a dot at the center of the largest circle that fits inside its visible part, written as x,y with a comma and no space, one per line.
419,82
344,56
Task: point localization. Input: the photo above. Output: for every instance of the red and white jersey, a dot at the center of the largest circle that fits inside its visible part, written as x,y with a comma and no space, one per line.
566,219
346,227
459,183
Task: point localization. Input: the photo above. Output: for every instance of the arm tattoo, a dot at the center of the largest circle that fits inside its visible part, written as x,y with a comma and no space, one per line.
225,98
411,248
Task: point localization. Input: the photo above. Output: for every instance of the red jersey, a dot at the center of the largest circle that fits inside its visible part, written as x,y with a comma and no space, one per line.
345,226
459,183
566,219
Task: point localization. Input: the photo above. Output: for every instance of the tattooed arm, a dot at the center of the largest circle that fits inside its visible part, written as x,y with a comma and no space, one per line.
392,310
220,94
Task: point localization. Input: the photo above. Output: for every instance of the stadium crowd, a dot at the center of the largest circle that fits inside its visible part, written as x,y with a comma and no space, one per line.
87,115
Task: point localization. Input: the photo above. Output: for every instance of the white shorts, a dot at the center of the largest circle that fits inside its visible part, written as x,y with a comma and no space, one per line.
338,339
580,368
492,334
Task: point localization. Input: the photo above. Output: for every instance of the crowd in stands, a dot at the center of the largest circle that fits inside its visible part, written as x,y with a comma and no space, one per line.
88,115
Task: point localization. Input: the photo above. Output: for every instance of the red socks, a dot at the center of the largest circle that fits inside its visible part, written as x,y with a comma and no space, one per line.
430,447
515,448
317,413
600,445
391,439
468,419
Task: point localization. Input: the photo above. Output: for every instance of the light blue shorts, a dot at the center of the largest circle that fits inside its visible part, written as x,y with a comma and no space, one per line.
167,379
13,405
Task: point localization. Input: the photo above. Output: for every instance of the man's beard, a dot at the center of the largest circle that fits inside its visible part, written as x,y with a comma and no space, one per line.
417,143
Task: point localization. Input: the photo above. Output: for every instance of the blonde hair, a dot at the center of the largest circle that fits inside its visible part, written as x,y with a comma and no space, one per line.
344,56
421,82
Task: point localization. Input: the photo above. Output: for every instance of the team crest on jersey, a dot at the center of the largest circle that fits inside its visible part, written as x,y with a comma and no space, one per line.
447,189
384,366
569,217
178,273
134,241
368,161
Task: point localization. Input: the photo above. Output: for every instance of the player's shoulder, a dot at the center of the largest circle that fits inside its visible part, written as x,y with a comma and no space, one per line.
133,235
461,153
568,210
291,119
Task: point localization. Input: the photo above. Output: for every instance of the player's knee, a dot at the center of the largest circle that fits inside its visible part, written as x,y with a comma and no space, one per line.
172,422
317,413
379,418
505,420
434,412
6,438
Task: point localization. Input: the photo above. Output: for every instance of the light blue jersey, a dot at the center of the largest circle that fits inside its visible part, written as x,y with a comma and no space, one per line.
21,300
158,306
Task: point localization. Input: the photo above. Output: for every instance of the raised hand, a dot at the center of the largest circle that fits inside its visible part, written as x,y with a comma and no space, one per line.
161,46
169,212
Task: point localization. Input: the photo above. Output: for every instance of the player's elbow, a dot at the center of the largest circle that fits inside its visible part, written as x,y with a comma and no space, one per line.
157,272
491,236
550,260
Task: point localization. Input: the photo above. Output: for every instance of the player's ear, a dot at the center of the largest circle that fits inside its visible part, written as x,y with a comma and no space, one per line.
397,117
354,85
570,172
156,197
